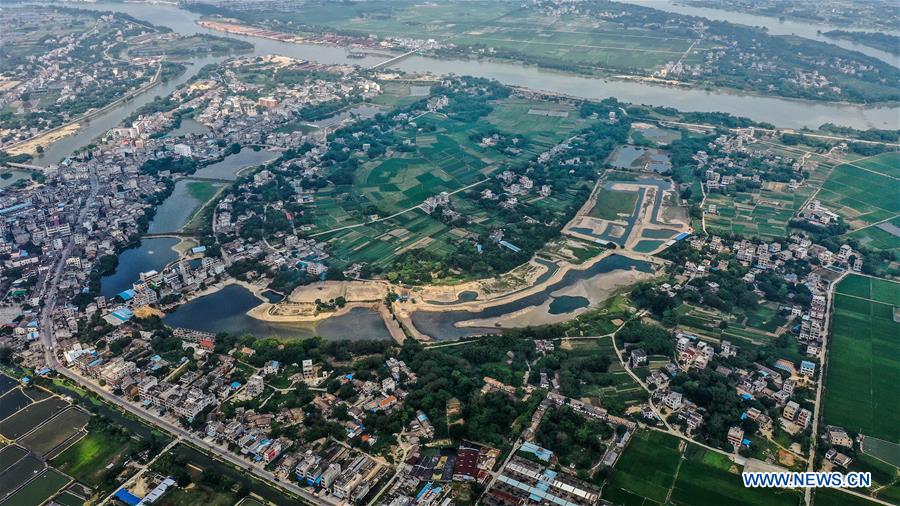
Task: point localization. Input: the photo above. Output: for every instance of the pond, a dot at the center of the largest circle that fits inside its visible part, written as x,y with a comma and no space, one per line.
665,233
465,296
647,245
361,112
272,296
631,157
188,126
567,303
225,311
660,136
13,177
151,254
626,156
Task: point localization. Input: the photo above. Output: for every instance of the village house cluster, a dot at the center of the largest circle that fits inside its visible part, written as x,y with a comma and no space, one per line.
41,219
59,85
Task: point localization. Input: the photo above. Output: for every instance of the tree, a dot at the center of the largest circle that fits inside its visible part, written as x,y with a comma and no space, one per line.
6,355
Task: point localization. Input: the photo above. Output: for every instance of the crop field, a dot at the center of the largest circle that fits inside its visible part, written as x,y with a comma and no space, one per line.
646,471
621,386
706,478
831,497
527,117
579,41
863,191
864,363
23,421
883,474
504,26
403,18
198,495
658,468
38,490
749,328
883,450
399,94
447,159
762,213
881,236
606,47
56,431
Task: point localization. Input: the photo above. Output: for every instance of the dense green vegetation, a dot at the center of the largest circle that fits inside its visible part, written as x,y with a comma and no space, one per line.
575,440
878,40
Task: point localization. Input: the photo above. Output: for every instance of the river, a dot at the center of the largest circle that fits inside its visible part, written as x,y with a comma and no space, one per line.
773,26
231,165
176,210
781,112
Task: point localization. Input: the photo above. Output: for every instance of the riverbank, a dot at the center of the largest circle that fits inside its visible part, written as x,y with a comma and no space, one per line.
591,291
783,113
29,146
587,289
211,289
303,313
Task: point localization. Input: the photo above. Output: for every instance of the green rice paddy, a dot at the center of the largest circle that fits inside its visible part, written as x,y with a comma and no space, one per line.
864,359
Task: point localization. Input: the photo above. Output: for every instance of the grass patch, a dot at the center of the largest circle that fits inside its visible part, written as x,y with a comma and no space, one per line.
87,459
612,204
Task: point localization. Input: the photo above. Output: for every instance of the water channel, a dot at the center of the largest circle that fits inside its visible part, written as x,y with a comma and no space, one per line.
228,168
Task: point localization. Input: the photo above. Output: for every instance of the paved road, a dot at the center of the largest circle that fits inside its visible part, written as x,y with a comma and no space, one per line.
817,407
50,290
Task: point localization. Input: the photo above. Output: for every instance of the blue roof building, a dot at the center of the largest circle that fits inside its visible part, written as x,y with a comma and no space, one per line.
127,497
541,453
